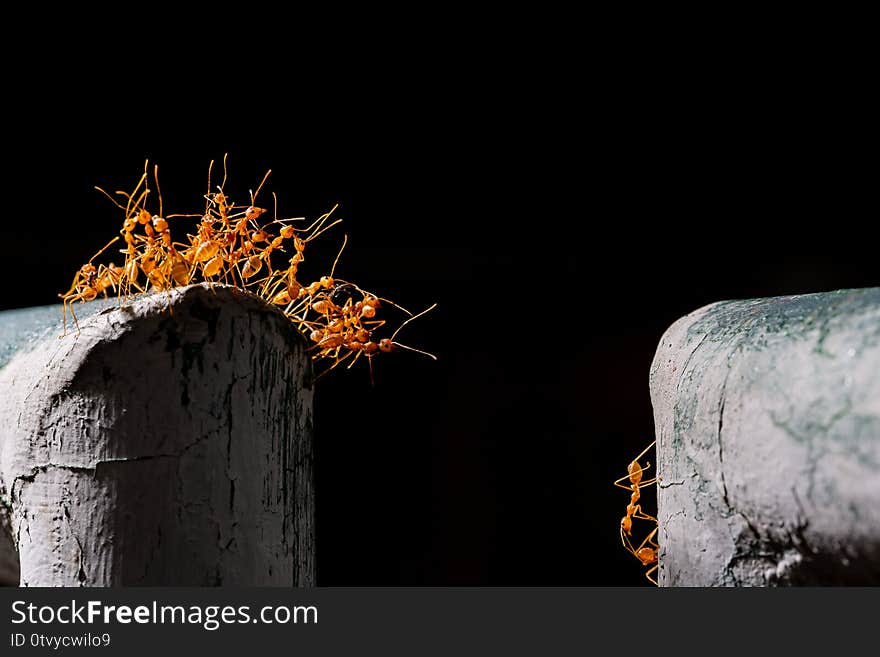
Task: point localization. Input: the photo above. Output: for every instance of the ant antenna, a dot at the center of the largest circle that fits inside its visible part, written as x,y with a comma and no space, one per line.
344,242
320,225
208,193
418,351
113,200
134,191
403,346
158,190
411,319
254,196
223,184
104,249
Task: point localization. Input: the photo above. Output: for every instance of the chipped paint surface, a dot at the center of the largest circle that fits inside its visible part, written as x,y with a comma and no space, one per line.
767,414
158,448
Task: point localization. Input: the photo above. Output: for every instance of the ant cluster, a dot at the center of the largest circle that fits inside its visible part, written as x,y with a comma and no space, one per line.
231,246
647,552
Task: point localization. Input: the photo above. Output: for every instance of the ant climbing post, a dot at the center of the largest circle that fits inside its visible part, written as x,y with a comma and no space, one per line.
647,554
634,510
86,286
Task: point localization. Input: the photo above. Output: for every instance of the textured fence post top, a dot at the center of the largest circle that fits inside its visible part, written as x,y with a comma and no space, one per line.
767,414
165,442
23,329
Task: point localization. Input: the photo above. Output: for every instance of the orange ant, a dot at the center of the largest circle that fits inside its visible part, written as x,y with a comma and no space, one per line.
88,283
239,232
647,555
135,214
229,242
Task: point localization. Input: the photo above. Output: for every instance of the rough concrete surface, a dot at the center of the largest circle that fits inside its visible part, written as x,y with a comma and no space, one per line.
767,414
167,443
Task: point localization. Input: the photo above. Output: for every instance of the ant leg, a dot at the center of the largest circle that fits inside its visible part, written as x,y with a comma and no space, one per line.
652,541
356,356
335,363
641,515
63,317
73,315
270,293
627,543
649,538
648,575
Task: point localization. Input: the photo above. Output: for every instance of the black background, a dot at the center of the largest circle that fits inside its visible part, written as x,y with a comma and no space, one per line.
563,205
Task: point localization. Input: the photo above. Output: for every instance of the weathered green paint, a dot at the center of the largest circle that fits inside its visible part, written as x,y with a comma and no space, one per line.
768,423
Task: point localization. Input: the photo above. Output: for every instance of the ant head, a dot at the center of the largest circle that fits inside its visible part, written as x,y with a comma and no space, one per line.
144,217
160,224
386,345
342,294
626,524
286,232
635,472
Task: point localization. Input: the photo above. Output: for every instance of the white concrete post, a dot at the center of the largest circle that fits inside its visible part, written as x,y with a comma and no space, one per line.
767,415
156,447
